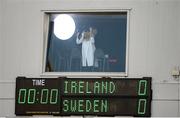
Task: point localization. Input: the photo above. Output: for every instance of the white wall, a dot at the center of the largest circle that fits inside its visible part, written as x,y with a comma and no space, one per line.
0,36
179,27
179,40
153,45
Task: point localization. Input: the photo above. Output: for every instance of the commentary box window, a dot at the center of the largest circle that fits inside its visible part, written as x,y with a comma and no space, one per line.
92,42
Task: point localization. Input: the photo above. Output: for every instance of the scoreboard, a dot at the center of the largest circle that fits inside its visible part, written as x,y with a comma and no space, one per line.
83,96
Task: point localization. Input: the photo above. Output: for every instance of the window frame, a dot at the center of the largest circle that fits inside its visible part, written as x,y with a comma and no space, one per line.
46,19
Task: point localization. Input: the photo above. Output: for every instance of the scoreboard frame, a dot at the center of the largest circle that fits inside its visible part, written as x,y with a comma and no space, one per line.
137,105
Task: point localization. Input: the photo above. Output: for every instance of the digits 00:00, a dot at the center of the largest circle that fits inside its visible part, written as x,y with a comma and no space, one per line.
29,96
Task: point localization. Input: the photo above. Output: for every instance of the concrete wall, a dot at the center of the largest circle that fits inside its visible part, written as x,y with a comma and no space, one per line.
153,45
179,24
0,36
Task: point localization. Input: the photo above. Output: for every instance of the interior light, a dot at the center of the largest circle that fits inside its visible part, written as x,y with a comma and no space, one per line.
64,26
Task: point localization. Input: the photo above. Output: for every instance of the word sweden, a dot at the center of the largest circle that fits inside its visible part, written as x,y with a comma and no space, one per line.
70,105
81,87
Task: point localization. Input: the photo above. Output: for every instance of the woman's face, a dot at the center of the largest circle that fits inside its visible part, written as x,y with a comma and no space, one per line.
87,35
92,31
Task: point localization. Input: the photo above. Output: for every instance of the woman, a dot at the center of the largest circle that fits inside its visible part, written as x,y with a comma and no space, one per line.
88,47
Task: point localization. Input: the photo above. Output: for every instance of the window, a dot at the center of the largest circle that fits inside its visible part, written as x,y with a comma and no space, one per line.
86,43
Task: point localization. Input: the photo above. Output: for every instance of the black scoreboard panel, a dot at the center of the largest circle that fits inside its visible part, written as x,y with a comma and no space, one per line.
107,87
83,96
37,96
106,106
